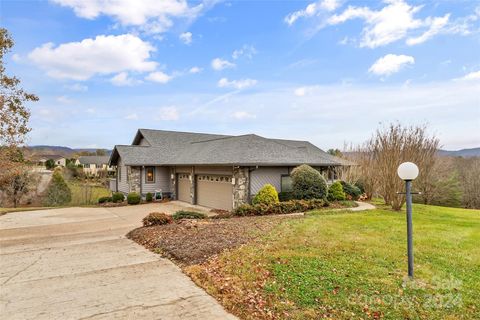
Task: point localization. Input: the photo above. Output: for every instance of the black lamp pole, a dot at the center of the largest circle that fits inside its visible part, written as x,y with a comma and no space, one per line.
408,191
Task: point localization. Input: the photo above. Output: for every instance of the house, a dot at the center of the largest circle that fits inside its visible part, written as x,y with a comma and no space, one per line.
217,171
93,165
57,159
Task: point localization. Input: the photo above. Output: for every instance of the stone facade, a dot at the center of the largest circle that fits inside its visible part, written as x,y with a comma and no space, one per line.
240,188
134,179
173,183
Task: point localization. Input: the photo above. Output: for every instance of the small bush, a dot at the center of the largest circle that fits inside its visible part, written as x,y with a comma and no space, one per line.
308,183
149,197
352,192
285,207
182,214
360,185
133,198
285,196
117,197
267,195
58,193
335,192
104,199
157,219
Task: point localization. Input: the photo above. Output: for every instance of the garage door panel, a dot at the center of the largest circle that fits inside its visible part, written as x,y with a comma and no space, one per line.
184,187
215,191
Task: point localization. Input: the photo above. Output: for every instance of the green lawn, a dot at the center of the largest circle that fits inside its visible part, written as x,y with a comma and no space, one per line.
354,265
86,194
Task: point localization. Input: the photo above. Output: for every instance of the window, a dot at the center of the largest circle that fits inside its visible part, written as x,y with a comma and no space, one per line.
286,183
150,174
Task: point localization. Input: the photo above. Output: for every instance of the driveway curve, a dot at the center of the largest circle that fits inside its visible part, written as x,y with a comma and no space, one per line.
75,263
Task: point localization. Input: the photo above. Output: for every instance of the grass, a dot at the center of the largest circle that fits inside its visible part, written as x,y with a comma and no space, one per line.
353,265
83,194
8,210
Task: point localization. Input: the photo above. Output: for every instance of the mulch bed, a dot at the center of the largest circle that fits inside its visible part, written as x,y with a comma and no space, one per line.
190,242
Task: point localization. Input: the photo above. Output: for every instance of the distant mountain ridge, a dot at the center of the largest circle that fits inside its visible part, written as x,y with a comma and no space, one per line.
465,153
61,150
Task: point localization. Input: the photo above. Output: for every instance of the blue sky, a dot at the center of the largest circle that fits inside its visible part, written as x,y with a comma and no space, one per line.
328,71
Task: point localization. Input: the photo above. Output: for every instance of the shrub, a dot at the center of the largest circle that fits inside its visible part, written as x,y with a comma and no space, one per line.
182,214
360,185
335,192
118,197
280,207
58,193
352,192
285,196
149,197
308,183
133,198
157,219
104,199
266,195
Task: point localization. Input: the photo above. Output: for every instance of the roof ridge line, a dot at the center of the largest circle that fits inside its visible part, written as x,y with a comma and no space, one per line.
227,137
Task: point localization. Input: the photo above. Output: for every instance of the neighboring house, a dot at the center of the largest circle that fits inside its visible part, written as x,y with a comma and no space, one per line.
57,159
216,171
92,165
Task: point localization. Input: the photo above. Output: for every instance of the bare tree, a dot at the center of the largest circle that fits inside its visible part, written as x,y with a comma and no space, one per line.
14,118
380,157
469,176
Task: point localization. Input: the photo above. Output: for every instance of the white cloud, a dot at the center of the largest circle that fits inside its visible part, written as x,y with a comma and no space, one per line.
236,84
390,63
396,21
475,75
311,10
132,116
195,70
436,26
76,87
186,37
102,55
168,114
91,110
150,15
16,57
220,64
243,115
122,79
159,76
303,91
64,99
247,51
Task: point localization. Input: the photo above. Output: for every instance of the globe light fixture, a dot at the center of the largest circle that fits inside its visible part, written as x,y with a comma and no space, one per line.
408,171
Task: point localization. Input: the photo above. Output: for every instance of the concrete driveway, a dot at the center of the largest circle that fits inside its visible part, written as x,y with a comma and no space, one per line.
75,263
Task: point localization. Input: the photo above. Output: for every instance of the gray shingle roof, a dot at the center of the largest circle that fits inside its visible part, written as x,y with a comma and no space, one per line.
94,159
184,148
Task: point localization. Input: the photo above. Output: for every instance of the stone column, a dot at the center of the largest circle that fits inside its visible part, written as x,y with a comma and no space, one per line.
193,199
173,183
134,179
240,187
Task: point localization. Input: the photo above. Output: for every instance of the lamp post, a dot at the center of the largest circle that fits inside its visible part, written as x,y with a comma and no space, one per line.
408,171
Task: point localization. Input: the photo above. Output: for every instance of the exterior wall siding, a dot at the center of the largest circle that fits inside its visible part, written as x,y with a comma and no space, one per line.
162,180
263,175
122,183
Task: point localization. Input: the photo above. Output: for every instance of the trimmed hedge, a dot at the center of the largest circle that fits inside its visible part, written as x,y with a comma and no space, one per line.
280,207
157,219
133,198
308,183
183,214
335,192
149,197
266,195
118,197
285,196
104,199
353,192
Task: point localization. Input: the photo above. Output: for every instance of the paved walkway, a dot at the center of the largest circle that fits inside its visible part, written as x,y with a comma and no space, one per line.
363,206
75,263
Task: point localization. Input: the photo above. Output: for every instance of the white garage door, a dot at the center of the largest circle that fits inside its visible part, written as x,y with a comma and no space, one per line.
184,187
215,191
